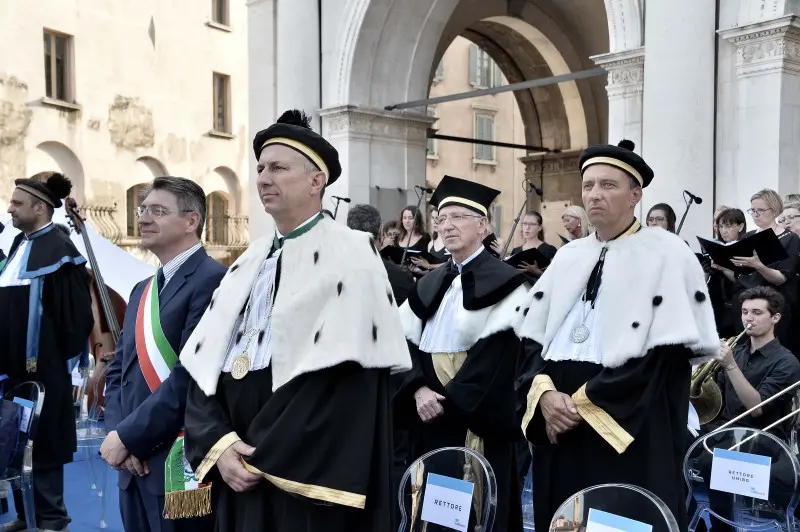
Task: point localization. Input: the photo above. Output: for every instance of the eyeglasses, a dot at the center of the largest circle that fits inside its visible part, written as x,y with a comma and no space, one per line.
757,212
155,211
656,219
455,218
789,218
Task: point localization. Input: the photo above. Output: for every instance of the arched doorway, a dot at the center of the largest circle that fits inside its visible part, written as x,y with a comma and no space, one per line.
217,214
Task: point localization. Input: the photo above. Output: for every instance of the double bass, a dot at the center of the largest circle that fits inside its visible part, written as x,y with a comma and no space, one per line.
108,310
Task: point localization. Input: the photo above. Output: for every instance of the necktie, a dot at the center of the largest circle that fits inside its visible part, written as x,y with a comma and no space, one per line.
160,279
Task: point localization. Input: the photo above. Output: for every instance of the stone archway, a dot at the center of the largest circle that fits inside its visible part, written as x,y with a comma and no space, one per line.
55,157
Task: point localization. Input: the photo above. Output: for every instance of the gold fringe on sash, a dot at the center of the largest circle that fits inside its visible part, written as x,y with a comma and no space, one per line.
188,503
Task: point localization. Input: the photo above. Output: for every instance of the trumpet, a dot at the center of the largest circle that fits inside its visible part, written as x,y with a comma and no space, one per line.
704,393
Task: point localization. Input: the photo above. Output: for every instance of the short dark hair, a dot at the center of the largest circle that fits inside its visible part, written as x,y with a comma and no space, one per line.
189,195
365,218
773,298
733,217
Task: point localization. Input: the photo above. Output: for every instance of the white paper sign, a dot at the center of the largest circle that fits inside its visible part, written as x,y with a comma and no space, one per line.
25,413
447,502
600,521
741,473
77,379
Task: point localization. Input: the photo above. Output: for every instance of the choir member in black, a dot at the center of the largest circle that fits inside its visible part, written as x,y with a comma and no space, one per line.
731,226
412,230
368,219
289,410
663,216
533,233
765,206
46,312
459,322
610,332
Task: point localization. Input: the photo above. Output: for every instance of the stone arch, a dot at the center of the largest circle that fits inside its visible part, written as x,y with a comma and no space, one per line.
625,24
224,180
146,169
53,156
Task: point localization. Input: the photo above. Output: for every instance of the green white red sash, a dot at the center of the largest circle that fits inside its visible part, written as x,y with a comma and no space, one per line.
184,495
156,356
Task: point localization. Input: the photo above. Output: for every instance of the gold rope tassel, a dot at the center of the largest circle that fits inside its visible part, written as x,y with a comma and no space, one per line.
187,503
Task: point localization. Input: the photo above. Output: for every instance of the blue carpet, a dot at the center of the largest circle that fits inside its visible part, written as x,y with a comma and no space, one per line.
82,502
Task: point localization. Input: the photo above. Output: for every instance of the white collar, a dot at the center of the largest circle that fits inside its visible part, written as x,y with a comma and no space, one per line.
466,261
299,226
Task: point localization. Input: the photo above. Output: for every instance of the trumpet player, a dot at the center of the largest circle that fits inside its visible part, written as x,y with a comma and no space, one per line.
757,369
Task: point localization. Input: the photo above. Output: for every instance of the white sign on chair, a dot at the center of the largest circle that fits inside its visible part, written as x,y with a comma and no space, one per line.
447,502
741,473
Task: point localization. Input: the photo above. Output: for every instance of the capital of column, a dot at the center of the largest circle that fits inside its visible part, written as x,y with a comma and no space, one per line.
766,47
555,164
625,72
357,121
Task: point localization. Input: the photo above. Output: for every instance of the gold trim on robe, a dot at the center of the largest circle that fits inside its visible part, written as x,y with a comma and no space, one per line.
320,493
541,383
211,457
601,421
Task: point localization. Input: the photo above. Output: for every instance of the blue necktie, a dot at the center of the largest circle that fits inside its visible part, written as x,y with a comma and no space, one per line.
160,279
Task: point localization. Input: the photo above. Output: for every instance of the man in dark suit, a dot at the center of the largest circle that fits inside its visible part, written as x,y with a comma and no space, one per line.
146,384
367,218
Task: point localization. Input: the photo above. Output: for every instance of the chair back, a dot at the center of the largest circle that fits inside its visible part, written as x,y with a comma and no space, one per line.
620,506
28,396
90,428
453,472
771,510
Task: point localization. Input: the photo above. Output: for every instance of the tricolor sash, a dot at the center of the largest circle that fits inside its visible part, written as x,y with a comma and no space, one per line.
184,496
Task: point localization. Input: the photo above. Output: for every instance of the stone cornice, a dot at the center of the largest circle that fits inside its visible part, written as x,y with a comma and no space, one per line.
368,122
767,47
563,163
625,72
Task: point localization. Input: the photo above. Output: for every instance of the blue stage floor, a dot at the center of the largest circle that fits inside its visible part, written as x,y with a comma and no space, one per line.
83,504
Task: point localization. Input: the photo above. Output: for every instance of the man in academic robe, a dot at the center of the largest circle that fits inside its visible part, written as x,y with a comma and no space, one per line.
46,317
609,336
459,323
289,408
146,386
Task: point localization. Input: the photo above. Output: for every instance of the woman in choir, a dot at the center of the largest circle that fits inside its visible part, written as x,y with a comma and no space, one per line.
731,226
412,230
390,234
765,207
790,217
719,210
533,233
661,215
576,222
435,248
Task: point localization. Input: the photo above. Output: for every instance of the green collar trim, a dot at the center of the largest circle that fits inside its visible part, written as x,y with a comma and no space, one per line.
277,243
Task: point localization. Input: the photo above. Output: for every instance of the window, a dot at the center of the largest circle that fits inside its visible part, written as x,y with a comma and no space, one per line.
219,12
483,71
135,196
432,144
58,66
484,130
217,219
222,103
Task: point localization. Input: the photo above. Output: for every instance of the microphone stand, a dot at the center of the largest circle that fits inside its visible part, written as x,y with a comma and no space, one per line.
689,203
526,186
336,209
420,195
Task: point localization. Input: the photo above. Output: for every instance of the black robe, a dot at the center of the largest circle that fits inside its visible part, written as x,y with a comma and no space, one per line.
647,397
480,398
66,321
296,431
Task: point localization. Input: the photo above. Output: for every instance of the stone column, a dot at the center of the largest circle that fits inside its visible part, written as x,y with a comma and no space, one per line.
298,58
678,111
625,89
766,103
382,155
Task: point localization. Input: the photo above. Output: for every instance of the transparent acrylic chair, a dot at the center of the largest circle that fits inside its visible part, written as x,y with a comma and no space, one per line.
91,432
744,513
455,462
19,474
624,500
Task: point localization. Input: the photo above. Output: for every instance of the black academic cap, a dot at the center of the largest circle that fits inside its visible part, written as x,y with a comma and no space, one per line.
620,156
456,191
293,129
56,188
